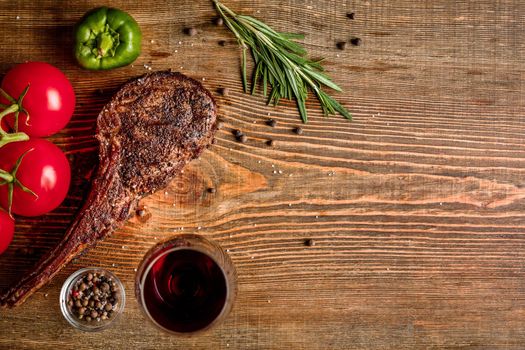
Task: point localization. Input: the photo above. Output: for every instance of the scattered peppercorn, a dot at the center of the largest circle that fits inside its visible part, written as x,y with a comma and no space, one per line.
242,138
271,122
222,42
93,297
309,242
237,133
190,31
223,91
355,41
270,143
298,130
212,190
341,45
350,15
218,21
141,213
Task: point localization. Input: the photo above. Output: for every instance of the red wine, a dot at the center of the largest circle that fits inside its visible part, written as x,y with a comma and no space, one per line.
185,290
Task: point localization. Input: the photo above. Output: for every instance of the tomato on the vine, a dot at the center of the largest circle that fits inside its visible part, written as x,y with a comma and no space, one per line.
7,229
38,173
49,101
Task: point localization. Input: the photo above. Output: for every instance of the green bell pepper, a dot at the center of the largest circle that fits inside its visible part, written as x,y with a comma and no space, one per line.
107,38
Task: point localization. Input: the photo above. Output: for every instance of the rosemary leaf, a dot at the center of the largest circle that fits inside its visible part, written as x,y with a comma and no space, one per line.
281,63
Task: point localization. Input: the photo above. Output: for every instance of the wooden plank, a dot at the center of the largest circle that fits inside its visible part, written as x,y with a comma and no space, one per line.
416,206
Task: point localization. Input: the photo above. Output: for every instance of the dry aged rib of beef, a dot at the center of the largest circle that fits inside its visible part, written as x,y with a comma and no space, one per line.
148,131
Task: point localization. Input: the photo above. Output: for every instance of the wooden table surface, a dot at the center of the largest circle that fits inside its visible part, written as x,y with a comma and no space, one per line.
416,207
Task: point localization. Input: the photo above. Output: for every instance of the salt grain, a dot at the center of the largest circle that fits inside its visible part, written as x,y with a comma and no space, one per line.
17,17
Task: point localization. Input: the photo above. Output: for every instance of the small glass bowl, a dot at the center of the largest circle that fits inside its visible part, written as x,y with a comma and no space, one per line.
66,292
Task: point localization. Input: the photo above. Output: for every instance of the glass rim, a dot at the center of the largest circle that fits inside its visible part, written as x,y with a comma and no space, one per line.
146,265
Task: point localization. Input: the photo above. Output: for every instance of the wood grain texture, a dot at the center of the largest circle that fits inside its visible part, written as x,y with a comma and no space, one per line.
416,207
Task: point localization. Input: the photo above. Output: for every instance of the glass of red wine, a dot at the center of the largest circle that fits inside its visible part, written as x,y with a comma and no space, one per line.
186,285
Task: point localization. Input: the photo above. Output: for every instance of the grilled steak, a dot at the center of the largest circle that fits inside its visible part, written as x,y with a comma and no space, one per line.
148,131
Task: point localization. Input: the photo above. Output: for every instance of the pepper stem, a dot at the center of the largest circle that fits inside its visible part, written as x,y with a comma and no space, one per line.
107,42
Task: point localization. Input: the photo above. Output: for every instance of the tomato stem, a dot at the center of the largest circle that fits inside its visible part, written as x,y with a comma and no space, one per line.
9,179
6,177
16,108
6,138
11,109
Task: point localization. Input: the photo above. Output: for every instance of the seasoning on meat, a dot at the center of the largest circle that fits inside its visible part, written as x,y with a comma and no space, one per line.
148,132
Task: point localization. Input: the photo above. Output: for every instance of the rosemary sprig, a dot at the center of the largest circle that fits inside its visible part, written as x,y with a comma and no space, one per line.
281,63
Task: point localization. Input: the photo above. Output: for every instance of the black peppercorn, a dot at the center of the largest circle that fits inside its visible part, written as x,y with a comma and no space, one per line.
355,41
271,122
242,138
190,31
223,91
298,130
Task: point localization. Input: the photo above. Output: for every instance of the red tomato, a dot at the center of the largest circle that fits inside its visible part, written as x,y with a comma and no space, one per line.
44,170
50,100
7,229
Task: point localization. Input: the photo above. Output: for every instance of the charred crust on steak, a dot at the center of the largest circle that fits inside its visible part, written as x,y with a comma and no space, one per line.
152,127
